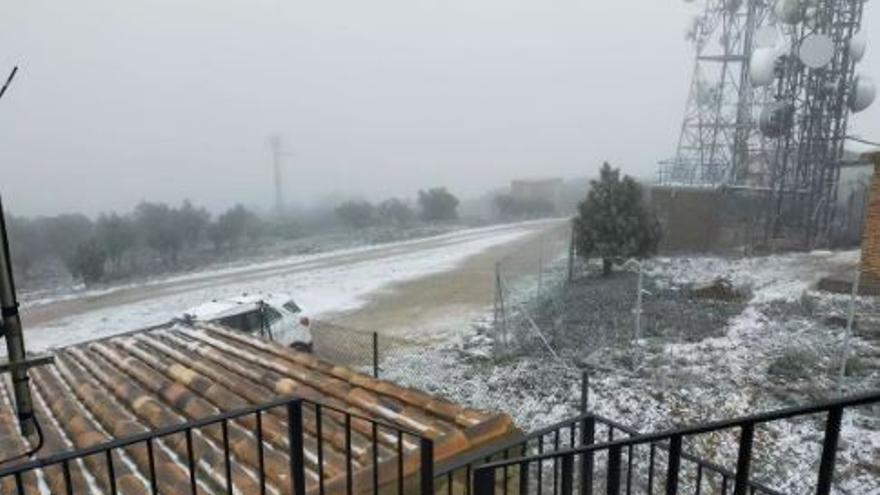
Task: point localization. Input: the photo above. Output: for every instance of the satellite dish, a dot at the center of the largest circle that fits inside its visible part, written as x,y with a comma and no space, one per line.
857,46
762,69
789,11
863,93
817,51
766,37
776,119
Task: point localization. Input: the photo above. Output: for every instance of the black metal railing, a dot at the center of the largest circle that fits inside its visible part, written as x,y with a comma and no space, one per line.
217,455
572,433
523,474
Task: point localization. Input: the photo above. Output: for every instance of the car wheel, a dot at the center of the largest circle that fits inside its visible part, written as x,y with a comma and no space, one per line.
301,347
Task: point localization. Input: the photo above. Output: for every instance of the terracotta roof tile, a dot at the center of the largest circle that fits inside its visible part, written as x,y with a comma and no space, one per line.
139,382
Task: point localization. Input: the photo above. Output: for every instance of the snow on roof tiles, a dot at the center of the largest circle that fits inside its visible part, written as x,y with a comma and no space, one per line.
133,383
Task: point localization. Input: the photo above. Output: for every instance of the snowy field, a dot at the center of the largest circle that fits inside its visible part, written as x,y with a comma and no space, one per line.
317,282
726,373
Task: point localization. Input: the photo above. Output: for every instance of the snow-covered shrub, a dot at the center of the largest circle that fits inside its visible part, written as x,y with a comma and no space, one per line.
794,363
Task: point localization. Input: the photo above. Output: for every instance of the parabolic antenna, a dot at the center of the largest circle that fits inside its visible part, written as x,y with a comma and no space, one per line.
762,67
863,93
766,37
857,46
776,119
789,11
816,51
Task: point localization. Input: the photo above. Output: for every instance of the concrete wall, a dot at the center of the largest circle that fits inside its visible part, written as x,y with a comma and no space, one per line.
698,220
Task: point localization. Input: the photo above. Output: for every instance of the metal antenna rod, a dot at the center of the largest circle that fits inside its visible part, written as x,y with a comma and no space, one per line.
8,81
11,330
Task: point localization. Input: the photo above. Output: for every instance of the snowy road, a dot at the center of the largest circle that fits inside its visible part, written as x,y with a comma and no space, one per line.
333,282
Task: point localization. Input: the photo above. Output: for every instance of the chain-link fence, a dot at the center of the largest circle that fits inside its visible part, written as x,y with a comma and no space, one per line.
668,341
361,349
686,339
525,280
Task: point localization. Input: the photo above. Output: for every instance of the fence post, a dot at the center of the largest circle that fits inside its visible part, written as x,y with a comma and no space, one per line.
571,253
638,319
426,479
540,266
851,315
295,441
585,391
500,323
375,354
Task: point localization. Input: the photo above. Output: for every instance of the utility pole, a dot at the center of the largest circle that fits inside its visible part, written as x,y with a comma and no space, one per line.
275,144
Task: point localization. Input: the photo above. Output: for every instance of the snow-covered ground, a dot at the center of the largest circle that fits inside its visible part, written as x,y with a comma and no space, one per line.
317,284
724,374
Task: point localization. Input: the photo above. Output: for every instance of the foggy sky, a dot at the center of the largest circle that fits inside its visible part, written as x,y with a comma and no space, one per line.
164,100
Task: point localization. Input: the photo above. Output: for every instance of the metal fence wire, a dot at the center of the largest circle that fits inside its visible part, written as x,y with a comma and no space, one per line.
526,279
696,336
364,350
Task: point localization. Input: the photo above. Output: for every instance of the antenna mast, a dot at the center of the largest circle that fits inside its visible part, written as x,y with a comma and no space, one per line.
16,362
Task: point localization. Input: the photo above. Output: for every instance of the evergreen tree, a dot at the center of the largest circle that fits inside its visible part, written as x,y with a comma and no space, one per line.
438,205
613,223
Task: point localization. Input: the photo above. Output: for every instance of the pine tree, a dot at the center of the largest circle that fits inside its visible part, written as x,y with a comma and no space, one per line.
613,223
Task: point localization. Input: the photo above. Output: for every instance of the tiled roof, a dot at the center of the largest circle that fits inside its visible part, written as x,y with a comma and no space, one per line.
130,384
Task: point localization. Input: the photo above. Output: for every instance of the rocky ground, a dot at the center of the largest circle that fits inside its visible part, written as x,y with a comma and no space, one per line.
767,339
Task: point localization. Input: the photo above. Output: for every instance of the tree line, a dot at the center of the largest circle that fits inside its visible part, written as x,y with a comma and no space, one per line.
156,237
432,205
152,236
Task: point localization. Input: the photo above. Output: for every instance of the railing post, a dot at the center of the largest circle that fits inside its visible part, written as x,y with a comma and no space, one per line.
829,450
426,471
588,435
484,481
567,474
524,478
375,354
674,465
744,459
295,442
612,484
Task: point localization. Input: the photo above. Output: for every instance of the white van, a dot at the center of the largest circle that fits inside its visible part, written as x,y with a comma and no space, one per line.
272,316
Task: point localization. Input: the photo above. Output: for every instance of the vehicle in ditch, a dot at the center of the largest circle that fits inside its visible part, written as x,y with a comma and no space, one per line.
272,316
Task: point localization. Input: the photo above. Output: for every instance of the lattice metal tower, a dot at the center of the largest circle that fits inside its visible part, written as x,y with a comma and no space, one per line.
718,137
815,90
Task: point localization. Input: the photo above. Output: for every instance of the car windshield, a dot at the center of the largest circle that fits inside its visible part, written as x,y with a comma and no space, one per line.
270,314
292,307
